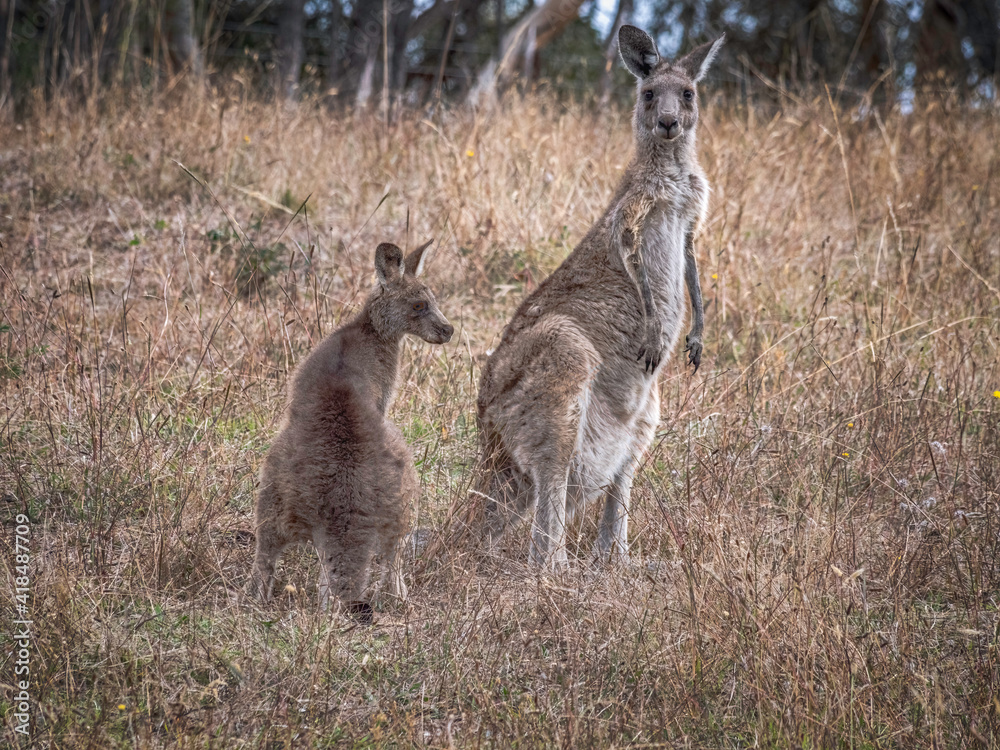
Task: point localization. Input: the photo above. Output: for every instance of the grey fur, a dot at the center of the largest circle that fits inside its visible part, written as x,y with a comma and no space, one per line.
568,402
339,474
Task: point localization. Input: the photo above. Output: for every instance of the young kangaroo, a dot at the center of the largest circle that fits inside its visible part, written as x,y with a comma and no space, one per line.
568,402
339,473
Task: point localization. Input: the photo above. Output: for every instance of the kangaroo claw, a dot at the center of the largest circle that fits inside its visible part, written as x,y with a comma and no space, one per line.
652,348
693,349
652,358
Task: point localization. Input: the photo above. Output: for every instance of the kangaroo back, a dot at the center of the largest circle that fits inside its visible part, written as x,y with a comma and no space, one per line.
339,474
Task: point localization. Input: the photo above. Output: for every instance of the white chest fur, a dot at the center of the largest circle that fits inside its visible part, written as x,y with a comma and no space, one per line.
663,254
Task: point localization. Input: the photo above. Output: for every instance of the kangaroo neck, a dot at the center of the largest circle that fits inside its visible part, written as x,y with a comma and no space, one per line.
659,158
382,354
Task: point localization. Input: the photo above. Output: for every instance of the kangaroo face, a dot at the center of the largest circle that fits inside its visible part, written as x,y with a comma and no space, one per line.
416,304
406,304
667,104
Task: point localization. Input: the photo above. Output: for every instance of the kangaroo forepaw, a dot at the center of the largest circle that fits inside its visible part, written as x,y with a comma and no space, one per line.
693,348
652,347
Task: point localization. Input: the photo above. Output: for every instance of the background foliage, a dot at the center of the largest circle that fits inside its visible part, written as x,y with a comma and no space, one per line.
413,51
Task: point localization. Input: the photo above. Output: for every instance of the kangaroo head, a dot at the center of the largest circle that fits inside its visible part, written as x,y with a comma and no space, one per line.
401,302
667,105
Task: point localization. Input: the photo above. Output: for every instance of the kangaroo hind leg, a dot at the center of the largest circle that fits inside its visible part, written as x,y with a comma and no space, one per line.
269,543
612,533
541,399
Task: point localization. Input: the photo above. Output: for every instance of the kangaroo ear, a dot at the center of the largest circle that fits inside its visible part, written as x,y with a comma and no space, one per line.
415,260
388,263
697,62
638,51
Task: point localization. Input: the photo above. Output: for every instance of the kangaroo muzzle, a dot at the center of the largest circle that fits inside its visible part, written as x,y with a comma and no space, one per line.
668,127
443,331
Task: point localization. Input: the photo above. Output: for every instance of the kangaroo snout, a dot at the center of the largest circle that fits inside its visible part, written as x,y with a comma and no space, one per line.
444,332
668,127
434,328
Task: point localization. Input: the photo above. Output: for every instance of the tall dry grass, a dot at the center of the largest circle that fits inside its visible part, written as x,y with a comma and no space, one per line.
816,532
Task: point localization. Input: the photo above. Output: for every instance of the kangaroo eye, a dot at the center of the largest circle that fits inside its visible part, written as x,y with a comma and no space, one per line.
419,306
648,96
688,94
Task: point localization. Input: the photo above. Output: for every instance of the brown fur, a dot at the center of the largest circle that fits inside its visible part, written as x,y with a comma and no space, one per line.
339,474
568,402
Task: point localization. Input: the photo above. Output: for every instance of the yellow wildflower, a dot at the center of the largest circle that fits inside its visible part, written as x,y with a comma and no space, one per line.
715,275
246,139
845,454
470,153
121,706
850,424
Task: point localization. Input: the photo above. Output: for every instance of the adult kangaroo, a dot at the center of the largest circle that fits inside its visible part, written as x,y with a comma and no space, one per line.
568,402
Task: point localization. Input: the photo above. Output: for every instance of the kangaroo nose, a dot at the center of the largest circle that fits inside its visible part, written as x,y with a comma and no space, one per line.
671,127
447,330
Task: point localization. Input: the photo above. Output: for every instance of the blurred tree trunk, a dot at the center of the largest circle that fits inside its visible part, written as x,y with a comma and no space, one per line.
939,47
622,17
365,58
869,53
74,40
802,61
337,50
399,28
366,83
500,10
110,26
291,50
983,19
182,46
945,27
6,34
53,67
128,43
364,39
440,11
521,44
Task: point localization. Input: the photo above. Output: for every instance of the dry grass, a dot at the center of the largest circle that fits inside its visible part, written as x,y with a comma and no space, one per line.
817,530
